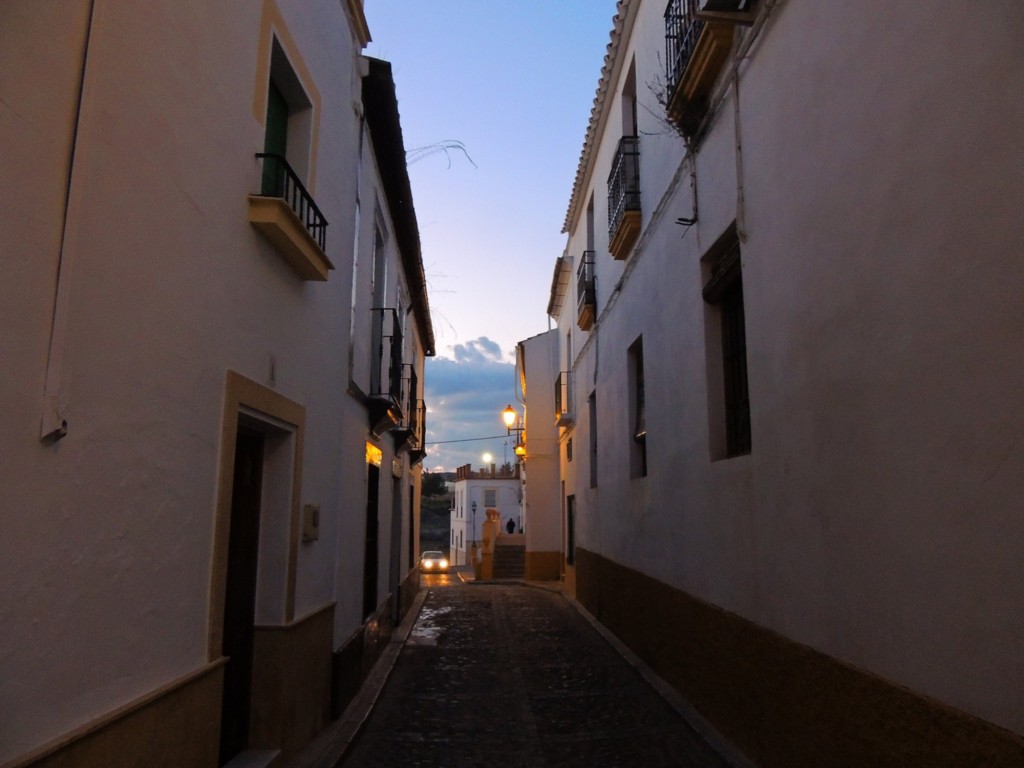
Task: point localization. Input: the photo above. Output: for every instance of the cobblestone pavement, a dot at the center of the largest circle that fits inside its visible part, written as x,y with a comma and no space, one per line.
509,675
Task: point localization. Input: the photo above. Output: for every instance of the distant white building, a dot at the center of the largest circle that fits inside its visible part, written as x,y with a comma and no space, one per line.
538,381
475,492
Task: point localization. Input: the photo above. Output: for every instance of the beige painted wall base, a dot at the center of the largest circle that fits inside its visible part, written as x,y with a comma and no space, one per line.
291,697
543,566
781,702
174,726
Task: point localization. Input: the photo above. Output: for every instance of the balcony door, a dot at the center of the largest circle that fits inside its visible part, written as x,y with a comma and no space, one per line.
275,140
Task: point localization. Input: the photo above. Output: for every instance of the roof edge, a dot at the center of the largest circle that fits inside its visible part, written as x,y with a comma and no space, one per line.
598,112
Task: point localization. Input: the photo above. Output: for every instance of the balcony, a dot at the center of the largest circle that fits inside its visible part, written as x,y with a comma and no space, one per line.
417,454
385,396
285,214
624,197
586,292
695,52
408,433
563,399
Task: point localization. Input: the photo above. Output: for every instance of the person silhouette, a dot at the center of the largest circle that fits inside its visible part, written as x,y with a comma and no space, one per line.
510,526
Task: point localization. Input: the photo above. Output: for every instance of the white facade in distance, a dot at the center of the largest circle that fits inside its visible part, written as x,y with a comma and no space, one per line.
475,493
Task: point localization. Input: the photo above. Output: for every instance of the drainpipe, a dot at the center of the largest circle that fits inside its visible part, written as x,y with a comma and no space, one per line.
54,424
741,217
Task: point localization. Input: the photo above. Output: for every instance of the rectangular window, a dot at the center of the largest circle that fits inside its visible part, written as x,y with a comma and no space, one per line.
637,415
592,403
568,450
730,432
490,497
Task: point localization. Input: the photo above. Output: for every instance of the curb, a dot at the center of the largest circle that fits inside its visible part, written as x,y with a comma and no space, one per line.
725,748
329,748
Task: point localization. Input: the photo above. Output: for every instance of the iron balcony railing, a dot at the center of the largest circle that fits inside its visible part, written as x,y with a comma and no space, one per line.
386,368
623,183
413,407
410,387
586,284
563,398
682,30
418,421
417,453
279,180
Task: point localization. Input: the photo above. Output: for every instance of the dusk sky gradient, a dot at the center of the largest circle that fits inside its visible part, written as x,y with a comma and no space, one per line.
514,83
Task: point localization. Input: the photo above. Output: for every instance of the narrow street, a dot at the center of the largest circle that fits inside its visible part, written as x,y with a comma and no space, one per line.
510,675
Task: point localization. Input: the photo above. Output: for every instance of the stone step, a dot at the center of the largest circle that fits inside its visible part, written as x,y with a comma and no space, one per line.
509,561
255,758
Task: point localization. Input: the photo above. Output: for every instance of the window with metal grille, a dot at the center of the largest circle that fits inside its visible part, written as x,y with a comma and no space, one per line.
637,415
724,293
592,403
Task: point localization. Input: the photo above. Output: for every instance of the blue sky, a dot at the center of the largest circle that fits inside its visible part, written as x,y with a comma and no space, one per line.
514,84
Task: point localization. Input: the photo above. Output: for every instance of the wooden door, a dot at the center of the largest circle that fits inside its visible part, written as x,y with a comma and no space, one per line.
370,556
240,594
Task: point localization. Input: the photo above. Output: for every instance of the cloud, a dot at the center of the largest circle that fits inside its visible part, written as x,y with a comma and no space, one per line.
478,351
465,397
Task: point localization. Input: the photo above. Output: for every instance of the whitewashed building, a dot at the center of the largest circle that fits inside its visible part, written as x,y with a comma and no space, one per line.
790,329
537,384
214,321
476,491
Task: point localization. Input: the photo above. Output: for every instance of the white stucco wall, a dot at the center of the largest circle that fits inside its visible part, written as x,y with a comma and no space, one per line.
165,287
875,517
542,511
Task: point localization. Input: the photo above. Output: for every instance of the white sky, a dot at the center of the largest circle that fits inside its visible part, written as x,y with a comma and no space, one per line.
514,83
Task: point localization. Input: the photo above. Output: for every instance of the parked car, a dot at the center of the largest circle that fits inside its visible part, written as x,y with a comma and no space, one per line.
434,562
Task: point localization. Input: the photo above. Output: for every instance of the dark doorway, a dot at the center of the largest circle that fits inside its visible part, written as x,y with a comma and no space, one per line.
412,528
395,565
370,549
240,592
570,530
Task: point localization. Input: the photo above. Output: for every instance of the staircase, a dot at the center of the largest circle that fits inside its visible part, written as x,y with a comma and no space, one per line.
509,557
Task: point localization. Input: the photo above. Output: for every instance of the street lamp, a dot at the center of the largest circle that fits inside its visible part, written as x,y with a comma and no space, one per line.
473,507
510,416
511,419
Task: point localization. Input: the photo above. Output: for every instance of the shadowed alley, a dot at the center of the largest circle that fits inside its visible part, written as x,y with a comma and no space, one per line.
505,675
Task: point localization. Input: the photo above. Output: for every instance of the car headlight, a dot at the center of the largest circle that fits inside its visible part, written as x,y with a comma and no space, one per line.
428,563
443,564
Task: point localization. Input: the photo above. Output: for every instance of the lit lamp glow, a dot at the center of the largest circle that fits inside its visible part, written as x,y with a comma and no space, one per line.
511,418
509,415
